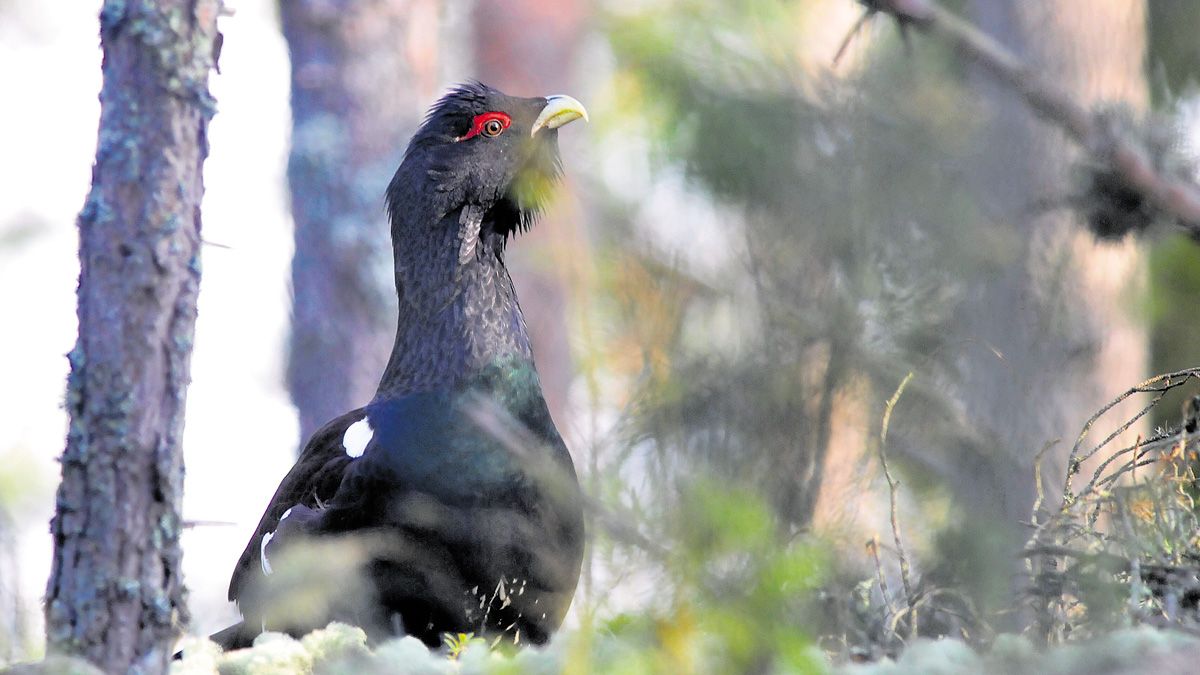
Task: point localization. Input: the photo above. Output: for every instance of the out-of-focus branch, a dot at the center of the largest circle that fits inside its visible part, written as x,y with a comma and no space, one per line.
1175,197
892,485
518,440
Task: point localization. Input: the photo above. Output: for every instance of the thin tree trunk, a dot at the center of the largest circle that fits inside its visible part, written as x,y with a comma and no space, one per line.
115,594
362,74
1053,333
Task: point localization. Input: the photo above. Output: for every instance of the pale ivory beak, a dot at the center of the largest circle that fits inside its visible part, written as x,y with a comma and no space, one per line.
559,110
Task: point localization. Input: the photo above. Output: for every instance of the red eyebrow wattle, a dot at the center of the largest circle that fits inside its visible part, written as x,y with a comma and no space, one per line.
480,120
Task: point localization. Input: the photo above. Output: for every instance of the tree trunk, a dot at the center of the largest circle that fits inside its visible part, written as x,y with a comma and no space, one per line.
1052,334
115,594
362,75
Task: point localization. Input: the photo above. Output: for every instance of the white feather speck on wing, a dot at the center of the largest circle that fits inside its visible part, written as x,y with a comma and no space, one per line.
356,438
262,552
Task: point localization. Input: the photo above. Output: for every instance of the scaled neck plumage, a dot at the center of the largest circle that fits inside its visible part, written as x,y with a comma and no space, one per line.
458,309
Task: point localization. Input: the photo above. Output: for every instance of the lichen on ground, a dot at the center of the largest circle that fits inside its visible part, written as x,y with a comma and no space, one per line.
340,649
1123,651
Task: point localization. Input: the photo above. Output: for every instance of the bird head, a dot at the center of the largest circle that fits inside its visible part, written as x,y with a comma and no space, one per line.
481,148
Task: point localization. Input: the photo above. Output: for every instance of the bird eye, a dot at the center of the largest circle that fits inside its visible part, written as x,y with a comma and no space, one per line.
492,128
490,124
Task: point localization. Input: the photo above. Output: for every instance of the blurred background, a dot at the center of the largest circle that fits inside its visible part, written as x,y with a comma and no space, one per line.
752,249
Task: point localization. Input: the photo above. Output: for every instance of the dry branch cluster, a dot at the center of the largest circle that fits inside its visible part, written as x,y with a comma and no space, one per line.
1125,546
1119,549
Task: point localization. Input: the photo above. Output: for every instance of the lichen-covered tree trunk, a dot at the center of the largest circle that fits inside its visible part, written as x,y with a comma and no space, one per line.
362,75
115,595
1053,334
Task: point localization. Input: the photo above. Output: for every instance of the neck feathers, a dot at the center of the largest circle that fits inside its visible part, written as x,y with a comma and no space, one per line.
458,307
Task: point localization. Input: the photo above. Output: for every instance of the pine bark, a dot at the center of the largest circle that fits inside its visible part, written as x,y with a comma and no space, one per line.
362,75
115,594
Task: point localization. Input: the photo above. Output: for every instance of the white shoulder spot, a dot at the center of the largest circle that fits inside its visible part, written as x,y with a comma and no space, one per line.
356,438
262,552
266,539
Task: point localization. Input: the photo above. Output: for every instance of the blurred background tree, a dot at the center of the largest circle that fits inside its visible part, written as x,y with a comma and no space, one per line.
1054,329
362,75
896,215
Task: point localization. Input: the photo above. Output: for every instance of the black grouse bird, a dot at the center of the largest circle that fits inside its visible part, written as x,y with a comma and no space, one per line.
452,485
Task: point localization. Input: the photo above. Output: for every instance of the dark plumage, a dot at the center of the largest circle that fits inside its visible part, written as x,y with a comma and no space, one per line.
452,487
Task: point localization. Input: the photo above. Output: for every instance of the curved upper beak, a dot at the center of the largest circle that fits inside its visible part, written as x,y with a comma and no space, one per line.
559,110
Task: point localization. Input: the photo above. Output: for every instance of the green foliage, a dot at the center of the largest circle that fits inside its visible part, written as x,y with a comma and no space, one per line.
457,644
1174,271
1174,52
744,593
734,596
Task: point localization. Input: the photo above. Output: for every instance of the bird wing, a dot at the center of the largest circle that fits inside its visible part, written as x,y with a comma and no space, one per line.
462,508
471,518
312,481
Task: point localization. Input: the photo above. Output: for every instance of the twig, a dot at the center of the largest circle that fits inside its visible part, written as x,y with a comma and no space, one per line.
618,526
1157,384
1139,450
1131,465
873,549
1111,561
1137,445
1037,481
862,21
892,485
1179,198
1120,430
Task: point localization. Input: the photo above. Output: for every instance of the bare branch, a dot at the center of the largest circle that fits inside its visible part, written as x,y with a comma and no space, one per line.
892,484
858,25
1179,198
1159,384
